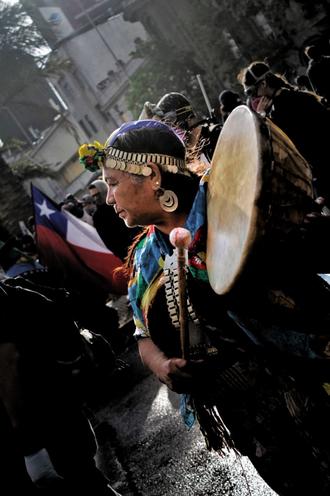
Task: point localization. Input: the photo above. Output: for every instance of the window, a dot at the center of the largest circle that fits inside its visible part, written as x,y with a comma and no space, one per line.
85,128
91,124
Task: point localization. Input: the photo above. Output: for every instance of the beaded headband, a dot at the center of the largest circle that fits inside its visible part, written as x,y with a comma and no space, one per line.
95,155
136,163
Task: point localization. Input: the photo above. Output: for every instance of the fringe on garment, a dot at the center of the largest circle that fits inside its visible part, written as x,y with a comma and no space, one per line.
295,403
216,434
299,406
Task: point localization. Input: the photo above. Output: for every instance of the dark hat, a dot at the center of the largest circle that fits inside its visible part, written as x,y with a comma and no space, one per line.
69,198
303,81
255,73
229,100
313,52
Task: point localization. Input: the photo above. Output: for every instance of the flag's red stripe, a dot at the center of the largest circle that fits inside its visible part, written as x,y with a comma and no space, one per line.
70,259
103,263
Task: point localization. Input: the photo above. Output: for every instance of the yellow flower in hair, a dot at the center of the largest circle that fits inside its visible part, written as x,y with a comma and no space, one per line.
91,155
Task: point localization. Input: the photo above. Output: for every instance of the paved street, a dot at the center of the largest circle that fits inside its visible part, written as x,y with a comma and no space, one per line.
146,450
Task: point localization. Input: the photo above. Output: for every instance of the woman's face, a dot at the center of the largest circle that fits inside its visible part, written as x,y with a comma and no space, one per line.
133,197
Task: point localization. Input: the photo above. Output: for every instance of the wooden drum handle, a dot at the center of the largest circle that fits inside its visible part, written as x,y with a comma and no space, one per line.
180,239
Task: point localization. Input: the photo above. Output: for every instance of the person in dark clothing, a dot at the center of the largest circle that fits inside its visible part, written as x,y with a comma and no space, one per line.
177,110
300,114
49,444
200,135
72,205
113,232
228,100
303,83
76,208
18,255
318,72
88,204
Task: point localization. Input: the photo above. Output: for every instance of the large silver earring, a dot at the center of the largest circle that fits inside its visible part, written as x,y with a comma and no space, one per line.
168,200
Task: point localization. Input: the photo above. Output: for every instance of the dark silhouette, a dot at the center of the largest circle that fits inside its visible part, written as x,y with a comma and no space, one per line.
44,364
318,71
300,114
228,100
115,235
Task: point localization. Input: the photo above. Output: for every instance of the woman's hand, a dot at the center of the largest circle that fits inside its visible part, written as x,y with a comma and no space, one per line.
174,372
264,104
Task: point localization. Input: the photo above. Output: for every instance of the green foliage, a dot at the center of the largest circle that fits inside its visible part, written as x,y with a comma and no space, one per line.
166,69
210,25
20,39
17,30
17,69
21,45
169,68
24,64
25,167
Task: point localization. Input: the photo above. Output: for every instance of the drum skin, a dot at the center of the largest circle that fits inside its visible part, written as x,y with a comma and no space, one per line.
258,183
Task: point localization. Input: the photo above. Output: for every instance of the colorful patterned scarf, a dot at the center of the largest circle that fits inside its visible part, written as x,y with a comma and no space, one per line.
150,253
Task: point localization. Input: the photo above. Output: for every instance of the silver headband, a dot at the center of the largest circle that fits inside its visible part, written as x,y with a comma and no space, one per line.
256,78
136,163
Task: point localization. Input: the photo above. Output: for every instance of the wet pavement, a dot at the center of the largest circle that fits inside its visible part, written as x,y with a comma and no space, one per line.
145,449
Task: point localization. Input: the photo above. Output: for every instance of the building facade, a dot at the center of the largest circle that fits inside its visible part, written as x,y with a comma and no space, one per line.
95,66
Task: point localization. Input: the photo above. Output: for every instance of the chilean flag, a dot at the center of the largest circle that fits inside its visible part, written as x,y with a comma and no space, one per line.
73,248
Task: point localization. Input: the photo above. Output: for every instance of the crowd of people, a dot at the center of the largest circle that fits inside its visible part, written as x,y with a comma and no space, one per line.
252,364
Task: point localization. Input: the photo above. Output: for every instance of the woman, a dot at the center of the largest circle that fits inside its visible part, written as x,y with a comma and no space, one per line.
243,397
199,135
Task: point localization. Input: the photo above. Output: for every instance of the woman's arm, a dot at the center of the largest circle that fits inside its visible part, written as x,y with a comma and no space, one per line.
171,371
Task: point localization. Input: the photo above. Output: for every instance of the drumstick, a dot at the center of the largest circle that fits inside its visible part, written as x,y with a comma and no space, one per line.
180,239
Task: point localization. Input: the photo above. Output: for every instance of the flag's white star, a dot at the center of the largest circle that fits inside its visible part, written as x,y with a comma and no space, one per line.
45,210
